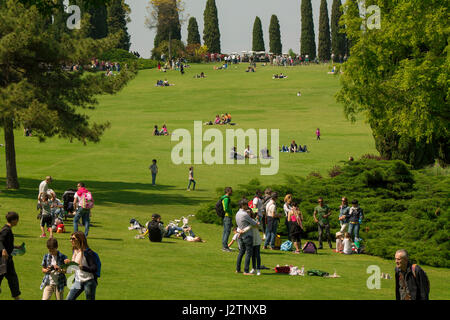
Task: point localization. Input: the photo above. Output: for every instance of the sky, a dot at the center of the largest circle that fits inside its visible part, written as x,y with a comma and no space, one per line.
236,18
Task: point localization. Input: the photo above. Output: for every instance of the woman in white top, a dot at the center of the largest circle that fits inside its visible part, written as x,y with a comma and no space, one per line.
287,208
347,244
85,275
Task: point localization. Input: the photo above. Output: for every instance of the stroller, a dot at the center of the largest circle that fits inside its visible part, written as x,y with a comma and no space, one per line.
68,198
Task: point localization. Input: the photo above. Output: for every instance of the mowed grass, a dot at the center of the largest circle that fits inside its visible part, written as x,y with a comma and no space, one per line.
116,171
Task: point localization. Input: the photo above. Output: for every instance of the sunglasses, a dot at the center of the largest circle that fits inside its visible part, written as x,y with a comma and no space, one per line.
71,239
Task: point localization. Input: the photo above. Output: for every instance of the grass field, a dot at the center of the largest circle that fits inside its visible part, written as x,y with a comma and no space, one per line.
116,171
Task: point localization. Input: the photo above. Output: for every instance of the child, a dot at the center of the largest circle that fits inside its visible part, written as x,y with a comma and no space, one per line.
46,218
6,248
55,278
235,237
339,242
347,244
191,179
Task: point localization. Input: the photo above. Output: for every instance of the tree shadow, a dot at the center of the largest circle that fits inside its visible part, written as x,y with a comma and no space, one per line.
105,193
106,239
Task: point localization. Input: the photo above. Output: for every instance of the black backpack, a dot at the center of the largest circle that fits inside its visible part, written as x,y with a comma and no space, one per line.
154,232
219,209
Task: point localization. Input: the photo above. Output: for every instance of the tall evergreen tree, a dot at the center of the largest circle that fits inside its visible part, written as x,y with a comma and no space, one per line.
275,36
193,34
324,50
118,17
211,32
98,21
307,40
168,24
354,21
258,38
338,38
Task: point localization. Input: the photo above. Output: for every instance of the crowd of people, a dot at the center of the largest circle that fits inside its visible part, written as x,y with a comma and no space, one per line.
293,147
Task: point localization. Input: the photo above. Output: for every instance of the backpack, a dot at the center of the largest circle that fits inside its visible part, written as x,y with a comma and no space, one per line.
286,246
97,262
309,247
154,232
318,273
220,211
427,285
87,202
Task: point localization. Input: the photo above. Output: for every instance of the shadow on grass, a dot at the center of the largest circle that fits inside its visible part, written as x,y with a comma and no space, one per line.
105,192
106,239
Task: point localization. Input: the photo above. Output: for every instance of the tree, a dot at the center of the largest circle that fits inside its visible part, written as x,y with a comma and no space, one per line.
324,50
211,32
164,15
338,40
353,21
36,91
98,18
308,40
118,17
275,36
398,78
258,38
193,34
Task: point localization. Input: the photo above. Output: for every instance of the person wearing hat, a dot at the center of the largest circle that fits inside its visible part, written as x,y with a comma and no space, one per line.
355,218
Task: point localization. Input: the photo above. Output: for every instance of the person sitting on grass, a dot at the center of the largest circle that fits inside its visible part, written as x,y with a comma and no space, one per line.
293,147
155,131
339,242
155,229
192,238
347,244
164,131
217,121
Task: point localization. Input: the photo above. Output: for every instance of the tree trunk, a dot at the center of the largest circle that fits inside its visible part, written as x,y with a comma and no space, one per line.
12,182
170,45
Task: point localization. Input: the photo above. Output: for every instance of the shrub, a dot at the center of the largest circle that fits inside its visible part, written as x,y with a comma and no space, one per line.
335,171
117,55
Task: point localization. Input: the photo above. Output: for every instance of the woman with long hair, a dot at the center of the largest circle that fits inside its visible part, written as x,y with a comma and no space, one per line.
295,218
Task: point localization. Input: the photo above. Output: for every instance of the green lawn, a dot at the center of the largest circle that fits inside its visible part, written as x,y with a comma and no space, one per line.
116,171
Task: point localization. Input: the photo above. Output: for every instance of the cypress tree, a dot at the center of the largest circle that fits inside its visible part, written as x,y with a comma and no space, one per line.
193,34
307,40
117,20
211,32
338,39
275,36
99,14
169,25
258,39
324,50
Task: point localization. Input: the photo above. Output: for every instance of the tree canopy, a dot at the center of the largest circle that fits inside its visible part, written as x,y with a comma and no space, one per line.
398,77
307,38
275,36
211,32
324,50
193,34
258,37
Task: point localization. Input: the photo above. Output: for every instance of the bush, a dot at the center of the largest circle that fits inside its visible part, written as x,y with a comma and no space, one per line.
335,171
117,55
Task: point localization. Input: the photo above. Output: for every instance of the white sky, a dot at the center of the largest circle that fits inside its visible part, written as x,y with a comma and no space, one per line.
236,18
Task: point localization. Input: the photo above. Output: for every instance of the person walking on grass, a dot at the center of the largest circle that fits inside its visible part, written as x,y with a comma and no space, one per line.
55,278
82,211
6,248
85,276
318,134
244,223
227,219
154,170
411,282
321,214
191,179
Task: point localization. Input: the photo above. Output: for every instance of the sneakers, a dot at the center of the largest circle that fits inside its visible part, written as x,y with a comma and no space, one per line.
258,272
252,271
226,249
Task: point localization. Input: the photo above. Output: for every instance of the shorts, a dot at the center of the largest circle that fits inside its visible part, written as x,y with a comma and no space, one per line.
46,219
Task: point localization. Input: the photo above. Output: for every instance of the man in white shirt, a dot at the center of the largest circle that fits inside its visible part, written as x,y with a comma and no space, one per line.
43,186
273,219
258,207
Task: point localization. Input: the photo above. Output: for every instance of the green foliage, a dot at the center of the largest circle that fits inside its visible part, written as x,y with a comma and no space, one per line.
324,50
211,32
98,18
338,41
193,34
118,17
117,55
275,36
398,77
400,207
177,48
168,24
143,64
258,38
307,40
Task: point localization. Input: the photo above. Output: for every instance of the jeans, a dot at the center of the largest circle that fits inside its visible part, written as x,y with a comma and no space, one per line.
353,230
226,231
88,287
246,247
11,276
84,214
271,231
189,185
256,257
171,231
325,227
153,178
